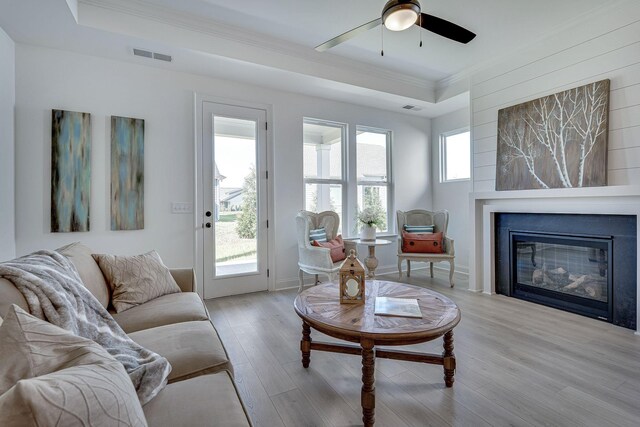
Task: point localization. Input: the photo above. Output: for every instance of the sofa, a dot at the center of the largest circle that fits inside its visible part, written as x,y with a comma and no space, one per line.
201,389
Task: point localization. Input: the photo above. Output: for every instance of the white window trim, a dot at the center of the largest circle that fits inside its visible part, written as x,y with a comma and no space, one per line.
349,180
442,153
344,166
389,181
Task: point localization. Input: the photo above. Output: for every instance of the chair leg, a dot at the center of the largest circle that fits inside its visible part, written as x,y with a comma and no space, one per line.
301,280
399,267
452,268
317,281
431,269
408,268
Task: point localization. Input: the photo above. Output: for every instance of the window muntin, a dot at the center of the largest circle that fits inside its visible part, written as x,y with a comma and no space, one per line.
455,156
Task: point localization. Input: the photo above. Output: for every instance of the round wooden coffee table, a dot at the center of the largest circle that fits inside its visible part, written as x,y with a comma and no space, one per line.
320,309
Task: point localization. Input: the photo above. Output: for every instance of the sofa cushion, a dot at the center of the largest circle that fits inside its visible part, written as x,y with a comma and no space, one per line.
49,376
207,400
90,273
136,279
10,295
192,348
164,310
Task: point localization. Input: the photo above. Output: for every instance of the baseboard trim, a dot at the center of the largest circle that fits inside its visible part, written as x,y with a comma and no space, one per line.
293,283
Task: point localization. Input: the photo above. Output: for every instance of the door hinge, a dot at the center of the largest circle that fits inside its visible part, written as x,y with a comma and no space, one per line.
267,272
267,223
267,174
266,126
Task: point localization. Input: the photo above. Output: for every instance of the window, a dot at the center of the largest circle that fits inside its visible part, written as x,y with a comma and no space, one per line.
347,184
323,167
455,156
372,153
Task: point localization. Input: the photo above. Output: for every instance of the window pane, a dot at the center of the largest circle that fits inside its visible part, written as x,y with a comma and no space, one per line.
457,156
235,196
374,197
324,197
322,150
372,156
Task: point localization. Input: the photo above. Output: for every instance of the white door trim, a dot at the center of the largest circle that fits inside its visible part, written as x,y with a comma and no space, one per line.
198,209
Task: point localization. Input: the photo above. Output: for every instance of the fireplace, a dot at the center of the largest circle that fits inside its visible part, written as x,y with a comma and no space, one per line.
585,264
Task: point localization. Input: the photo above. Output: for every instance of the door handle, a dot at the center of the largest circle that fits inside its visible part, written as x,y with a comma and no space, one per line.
208,225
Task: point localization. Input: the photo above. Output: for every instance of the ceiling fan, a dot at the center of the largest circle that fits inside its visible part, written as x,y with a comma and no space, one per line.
398,15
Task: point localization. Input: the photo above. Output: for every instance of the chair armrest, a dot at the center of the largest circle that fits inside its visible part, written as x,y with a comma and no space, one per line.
315,256
185,278
449,247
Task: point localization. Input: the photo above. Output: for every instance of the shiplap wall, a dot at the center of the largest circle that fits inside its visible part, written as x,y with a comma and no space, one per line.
606,46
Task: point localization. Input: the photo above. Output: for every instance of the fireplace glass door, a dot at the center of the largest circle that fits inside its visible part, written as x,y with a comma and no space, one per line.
563,270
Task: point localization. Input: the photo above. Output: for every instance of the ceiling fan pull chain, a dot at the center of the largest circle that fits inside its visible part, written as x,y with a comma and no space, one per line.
420,30
382,39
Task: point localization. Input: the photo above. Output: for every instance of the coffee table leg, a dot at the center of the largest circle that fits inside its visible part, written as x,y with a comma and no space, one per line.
449,359
368,395
305,344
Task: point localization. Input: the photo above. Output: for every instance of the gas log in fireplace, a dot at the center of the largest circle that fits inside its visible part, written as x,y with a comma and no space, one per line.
584,264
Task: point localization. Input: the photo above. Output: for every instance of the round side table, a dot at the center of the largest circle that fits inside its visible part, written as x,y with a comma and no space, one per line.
371,262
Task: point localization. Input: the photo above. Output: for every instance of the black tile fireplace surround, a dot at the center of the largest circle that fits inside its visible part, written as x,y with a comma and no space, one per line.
584,264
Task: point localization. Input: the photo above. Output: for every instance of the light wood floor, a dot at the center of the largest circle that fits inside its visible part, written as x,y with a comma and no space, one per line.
518,364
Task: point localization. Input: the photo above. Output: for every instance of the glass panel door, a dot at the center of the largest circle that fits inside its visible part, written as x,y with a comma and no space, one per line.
234,249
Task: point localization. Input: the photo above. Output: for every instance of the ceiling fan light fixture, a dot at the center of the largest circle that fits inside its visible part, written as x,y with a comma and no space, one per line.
398,15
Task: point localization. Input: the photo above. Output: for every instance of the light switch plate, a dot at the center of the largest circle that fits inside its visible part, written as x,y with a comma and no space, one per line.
181,207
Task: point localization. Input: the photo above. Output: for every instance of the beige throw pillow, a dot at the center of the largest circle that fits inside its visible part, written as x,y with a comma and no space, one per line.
48,376
136,279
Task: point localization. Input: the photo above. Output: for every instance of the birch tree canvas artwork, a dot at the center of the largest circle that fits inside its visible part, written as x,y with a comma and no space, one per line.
558,141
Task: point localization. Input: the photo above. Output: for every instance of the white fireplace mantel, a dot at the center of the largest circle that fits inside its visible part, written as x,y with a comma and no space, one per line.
613,200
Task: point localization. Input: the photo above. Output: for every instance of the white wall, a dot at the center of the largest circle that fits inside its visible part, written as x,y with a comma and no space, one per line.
7,144
607,46
452,196
49,79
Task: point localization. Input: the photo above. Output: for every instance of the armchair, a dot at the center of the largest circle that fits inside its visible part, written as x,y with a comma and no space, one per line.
440,221
312,259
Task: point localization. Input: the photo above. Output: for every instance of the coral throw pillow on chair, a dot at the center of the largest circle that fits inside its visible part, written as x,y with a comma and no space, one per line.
422,243
336,246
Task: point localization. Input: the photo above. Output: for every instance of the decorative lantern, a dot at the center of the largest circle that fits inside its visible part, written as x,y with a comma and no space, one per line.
352,280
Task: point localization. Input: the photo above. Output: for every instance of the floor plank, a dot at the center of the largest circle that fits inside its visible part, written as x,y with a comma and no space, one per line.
519,364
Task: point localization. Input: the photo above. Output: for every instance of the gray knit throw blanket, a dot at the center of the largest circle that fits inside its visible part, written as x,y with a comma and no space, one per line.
54,292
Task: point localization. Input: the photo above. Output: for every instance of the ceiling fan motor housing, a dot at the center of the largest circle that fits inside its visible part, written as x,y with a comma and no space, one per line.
402,6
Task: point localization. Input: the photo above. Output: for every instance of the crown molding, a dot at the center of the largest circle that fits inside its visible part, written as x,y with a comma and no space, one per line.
146,10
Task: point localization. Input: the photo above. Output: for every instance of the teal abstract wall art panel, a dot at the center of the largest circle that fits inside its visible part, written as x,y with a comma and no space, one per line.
127,173
70,170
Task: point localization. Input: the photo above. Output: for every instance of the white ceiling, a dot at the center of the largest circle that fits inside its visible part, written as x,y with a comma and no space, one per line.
500,25
272,41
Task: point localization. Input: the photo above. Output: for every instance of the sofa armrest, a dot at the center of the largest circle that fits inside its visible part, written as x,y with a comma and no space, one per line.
185,278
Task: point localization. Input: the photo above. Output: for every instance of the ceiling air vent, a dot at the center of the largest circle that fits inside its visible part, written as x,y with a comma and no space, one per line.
412,107
152,55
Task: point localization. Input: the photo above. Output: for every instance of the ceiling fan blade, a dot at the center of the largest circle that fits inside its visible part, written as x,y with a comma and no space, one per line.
445,28
348,35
